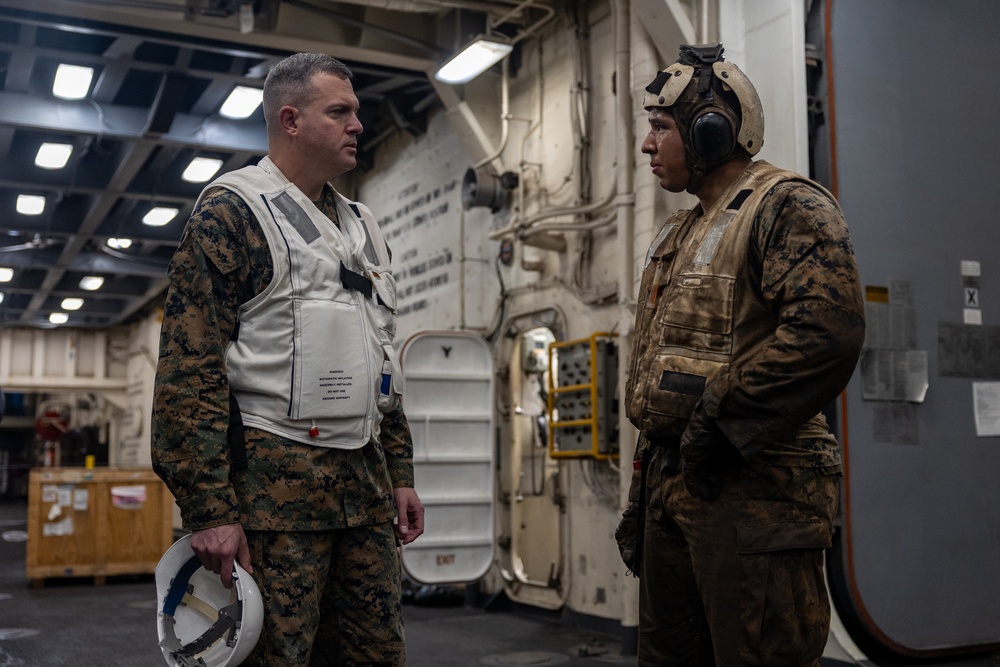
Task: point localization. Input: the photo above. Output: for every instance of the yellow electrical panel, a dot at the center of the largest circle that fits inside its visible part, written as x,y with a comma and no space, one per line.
582,398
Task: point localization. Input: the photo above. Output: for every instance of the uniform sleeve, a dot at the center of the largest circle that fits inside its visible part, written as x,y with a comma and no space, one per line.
397,443
209,278
801,254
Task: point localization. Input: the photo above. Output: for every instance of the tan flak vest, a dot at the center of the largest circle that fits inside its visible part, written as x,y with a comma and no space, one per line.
689,299
312,357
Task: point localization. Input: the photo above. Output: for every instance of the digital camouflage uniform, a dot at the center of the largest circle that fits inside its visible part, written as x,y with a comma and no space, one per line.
738,579
318,520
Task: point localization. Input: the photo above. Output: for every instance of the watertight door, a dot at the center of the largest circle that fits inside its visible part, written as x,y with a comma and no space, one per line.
448,400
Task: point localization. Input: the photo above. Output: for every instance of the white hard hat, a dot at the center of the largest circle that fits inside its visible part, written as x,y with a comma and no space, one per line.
200,622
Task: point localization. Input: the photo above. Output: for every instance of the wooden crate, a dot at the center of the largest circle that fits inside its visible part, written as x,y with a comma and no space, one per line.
96,522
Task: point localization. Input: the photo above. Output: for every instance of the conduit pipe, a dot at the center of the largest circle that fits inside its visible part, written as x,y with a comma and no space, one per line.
428,6
625,207
507,9
504,116
625,200
587,226
569,210
527,32
528,226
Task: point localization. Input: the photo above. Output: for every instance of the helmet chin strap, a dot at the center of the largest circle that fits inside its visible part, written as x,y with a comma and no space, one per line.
697,169
225,623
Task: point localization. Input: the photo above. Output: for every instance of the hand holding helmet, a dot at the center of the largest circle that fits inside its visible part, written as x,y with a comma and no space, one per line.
200,622
219,547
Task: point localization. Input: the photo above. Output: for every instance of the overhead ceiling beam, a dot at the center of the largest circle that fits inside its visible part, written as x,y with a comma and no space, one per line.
257,42
667,22
156,287
135,157
76,189
102,263
207,132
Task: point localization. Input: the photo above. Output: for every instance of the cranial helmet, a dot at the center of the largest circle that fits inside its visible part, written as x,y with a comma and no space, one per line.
716,108
200,622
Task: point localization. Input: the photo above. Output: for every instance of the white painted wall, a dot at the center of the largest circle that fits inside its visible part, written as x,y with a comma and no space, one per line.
766,39
131,448
440,255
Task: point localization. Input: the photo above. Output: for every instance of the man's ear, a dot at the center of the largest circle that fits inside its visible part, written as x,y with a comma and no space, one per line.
288,119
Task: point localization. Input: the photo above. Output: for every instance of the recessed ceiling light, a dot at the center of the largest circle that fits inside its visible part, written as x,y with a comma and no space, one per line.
53,156
30,204
119,244
72,82
91,283
201,169
242,102
71,303
159,216
6,275
59,318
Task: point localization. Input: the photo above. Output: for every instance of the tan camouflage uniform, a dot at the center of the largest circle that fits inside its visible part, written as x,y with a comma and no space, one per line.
737,579
318,520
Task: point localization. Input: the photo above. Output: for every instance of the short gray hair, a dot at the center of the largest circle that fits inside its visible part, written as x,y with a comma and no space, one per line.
290,80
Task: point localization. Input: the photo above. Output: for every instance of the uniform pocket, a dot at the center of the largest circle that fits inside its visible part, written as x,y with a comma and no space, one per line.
784,608
329,383
766,536
676,384
699,315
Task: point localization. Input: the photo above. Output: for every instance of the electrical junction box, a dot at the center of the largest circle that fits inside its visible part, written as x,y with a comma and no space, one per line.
582,399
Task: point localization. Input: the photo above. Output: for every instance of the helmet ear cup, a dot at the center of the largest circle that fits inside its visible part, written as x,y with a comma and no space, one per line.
713,136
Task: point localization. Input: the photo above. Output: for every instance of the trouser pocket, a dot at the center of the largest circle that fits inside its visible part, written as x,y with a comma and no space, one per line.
784,608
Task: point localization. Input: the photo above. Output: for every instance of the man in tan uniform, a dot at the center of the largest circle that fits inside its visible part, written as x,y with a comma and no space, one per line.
749,323
276,419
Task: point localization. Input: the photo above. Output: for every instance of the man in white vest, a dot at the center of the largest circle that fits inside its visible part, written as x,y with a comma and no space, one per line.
278,423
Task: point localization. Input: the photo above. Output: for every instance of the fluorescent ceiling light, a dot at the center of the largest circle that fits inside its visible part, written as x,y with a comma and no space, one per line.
201,169
119,244
59,318
1,297
91,283
30,204
71,303
159,216
480,55
242,102
53,156
72,82
6,275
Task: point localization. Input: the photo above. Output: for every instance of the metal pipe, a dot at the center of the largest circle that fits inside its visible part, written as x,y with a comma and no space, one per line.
569,210
573,225
625,207
504,116
428,6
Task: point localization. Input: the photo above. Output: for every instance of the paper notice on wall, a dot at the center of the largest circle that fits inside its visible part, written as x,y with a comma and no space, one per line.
81,500
894,375
65,496
890,316
895,423
50,493
58,528
986,402
128,497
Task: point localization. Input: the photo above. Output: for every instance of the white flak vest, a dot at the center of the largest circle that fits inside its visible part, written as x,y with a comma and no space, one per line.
312,357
